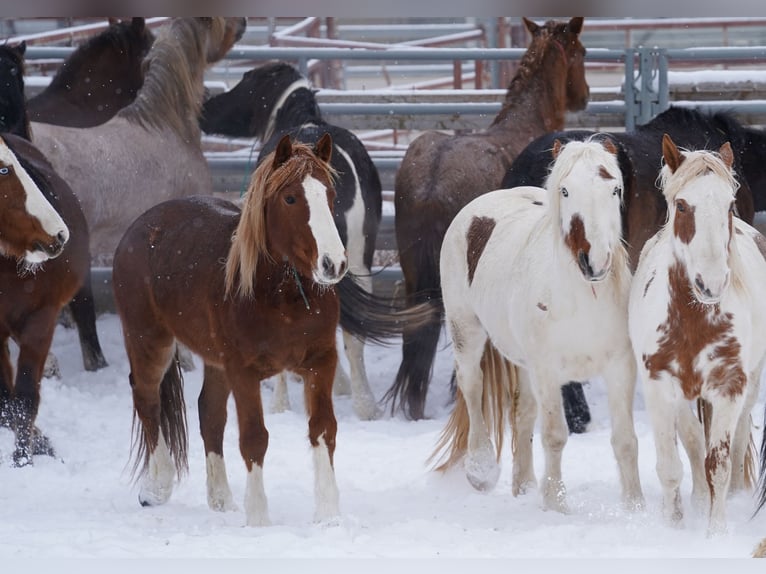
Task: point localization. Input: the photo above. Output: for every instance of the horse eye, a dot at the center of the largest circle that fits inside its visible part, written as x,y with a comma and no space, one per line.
290,199
564,192
5,170
680,206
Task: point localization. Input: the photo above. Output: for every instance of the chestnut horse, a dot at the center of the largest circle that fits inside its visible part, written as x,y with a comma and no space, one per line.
13,109
251,293
271,101
44,262
150,151
102,76
535,284
441,173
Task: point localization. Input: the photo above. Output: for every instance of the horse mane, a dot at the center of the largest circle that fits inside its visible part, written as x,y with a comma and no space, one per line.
529,63
173,89
248,242
572,153
115,36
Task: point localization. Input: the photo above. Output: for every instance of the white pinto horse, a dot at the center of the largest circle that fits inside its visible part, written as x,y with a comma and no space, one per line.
539,278
698,326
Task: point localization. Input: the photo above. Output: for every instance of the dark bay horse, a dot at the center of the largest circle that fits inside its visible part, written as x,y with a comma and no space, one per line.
273,100
252,293
12,108
102,76
441,173
38,278
150,151
644,206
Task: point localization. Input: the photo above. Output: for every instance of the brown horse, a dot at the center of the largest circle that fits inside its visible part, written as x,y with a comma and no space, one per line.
101,77
150,151
252,293
441,173
45,261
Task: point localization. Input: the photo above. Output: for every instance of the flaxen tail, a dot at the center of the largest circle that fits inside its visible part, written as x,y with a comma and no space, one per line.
498,398
172,423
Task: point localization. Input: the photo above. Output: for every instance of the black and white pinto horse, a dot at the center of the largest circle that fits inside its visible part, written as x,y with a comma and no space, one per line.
271,101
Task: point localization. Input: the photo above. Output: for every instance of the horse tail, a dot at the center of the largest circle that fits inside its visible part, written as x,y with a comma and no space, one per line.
762,480
420,265
172,423
499,397
379,319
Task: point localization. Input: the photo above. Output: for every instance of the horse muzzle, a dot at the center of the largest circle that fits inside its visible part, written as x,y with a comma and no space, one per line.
330,271
587,270
48,250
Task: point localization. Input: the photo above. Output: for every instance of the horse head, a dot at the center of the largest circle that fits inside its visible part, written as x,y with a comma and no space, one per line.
287,217
31,229
700,189
585,186
560,45
13,117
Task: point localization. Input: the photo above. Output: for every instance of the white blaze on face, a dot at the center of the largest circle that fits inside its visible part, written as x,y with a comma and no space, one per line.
36,204
330,250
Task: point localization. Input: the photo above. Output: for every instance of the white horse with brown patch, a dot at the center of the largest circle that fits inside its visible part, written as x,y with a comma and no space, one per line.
698,328
539,278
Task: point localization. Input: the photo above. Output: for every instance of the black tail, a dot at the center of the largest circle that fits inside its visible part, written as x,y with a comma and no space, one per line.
172,422
376,318
762,480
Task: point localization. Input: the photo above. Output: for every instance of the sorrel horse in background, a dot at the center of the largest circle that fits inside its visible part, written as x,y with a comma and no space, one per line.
271,306
150,151
644,206
271,101
44,246
535,285
12,108
102,76
441,173
698,327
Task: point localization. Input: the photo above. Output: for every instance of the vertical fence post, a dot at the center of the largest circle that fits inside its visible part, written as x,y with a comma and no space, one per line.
646,91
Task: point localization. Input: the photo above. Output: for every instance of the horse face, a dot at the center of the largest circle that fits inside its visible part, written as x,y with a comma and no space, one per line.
31,228
589,195
701,211
224,32
309,239
578,91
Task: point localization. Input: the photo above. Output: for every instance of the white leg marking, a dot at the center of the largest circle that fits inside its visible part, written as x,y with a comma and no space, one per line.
256,506
325,487
157,484
218,492
280,401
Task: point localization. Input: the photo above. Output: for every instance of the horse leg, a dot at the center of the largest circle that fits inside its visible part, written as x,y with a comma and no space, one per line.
212,423
620,377
718,461
83,311
743,435
253,440
6,380
693,438
523,417
149,360
662,397
554,438
317,378
575,407
363,401
280,401
34,342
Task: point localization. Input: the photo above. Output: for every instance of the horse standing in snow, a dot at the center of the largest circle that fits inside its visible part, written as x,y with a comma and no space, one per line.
698,327
535,284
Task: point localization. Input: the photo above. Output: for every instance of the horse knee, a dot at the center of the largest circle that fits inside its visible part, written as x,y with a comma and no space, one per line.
253,444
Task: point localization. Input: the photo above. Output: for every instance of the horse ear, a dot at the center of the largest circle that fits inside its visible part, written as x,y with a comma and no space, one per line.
673,157
609,146
556,148
283,152
21,48
323,148
138,24
727,154
112,20
575,25
531,26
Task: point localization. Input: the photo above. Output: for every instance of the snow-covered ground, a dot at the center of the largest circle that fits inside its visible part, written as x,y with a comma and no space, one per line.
83,503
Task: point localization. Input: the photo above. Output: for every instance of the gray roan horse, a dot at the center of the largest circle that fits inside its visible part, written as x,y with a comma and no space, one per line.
150,151
442,173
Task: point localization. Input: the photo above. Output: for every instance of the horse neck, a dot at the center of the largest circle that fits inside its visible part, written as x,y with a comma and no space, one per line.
300,108
16,119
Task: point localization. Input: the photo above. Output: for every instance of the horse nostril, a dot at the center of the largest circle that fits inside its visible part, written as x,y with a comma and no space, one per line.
62,237
327,266
342,269
584,261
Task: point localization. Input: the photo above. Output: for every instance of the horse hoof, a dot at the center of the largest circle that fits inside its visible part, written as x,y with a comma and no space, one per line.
21,458
554,496
51,368
94,363
41,444
154,497
482,472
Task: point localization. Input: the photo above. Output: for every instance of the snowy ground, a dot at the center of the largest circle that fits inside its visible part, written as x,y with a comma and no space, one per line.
84,504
